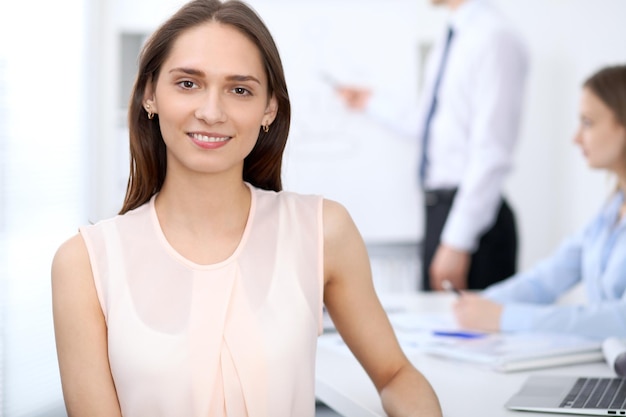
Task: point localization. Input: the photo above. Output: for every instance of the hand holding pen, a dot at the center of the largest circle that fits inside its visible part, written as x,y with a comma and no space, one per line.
472,311
449,287
450,264
461,333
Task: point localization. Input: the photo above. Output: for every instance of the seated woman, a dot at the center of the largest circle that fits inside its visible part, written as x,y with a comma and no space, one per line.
595,257
204,296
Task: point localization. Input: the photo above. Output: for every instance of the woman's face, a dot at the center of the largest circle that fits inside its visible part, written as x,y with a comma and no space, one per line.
601,137
211,99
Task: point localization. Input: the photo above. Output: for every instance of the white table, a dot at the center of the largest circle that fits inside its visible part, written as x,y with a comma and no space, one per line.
464,389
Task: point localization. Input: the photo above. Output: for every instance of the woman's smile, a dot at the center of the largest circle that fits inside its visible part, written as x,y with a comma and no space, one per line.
209,140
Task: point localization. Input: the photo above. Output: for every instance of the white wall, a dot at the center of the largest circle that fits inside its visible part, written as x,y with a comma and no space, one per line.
44,114
348,158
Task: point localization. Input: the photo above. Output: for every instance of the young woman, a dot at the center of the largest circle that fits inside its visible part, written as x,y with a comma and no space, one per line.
203,297
596,256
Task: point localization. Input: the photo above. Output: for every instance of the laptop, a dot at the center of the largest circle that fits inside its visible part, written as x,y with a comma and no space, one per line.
589,396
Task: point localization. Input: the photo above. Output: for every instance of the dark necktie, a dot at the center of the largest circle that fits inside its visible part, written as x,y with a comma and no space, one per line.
433,107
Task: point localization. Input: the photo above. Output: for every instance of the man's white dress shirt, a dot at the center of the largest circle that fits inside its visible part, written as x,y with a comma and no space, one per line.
475,126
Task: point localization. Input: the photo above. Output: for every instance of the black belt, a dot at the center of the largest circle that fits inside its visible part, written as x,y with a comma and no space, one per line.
439,196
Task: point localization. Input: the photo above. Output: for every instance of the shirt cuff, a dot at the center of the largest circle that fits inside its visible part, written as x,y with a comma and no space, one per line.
459,237
378,108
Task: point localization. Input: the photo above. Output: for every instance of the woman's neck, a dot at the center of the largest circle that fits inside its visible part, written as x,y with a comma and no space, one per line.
203,201
204,219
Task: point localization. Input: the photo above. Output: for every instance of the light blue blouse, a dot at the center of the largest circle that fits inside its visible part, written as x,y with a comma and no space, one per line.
597,257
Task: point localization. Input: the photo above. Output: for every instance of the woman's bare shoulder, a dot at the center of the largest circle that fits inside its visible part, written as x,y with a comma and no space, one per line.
71,261
336,218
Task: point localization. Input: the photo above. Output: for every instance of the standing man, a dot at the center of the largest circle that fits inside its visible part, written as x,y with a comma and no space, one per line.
468,125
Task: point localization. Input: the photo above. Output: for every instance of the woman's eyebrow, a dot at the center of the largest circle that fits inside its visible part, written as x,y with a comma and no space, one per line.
188,71
242,78
199,73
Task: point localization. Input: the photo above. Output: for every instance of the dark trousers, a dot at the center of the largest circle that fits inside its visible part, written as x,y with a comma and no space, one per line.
496,256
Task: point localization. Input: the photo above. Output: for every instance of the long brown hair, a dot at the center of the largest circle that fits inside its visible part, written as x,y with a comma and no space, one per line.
262,167
609,84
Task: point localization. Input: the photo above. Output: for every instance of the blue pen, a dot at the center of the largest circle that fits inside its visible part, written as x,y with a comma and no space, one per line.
459,334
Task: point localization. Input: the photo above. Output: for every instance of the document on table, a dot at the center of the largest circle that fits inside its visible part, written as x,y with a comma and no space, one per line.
508,352
439,334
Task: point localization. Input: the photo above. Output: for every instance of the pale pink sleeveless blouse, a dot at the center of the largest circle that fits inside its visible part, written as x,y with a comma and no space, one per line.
236,338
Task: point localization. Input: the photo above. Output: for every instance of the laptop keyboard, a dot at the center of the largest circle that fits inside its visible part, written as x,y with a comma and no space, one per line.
606,393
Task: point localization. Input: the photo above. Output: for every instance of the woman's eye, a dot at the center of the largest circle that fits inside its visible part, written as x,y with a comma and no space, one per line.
240,91
188,85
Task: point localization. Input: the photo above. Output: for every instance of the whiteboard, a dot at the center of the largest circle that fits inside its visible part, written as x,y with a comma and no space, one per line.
343,155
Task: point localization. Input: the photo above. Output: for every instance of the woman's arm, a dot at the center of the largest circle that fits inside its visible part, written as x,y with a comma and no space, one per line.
545,282
359,317
595,321
496,308
81,335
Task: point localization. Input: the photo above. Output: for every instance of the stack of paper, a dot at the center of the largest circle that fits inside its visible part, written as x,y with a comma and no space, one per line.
508,352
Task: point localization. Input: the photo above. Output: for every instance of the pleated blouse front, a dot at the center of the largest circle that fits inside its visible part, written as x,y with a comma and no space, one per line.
236,338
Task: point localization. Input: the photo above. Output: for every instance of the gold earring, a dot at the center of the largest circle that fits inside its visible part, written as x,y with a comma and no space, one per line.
150,114
266,128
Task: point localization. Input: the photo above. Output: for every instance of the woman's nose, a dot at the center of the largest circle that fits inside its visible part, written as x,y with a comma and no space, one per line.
211,108
578,136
